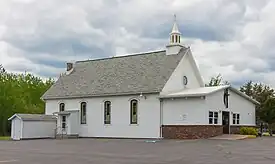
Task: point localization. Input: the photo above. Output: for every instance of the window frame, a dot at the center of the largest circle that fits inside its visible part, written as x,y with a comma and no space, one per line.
132,111
64,122
107,111
236,119
83,115
214,118
61,105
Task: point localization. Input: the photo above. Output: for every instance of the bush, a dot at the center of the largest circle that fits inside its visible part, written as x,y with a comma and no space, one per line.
248,131
266,134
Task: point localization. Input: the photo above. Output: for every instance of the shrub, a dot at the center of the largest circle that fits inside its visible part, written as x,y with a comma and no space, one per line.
248,131
266,134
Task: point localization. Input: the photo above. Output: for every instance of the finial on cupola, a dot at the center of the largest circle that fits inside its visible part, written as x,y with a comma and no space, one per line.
174,45
175,29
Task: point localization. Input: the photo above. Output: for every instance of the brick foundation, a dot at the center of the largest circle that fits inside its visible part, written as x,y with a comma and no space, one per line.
191,131
236,129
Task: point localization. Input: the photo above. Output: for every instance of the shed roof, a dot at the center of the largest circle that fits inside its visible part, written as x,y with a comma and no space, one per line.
34,117
146,73
203,91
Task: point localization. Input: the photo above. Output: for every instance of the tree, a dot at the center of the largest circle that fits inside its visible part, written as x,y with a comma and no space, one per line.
217,81
247,88
20,93
267,112
259,92
2,69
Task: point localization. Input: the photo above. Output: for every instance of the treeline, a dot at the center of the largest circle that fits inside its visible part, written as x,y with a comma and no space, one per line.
20,93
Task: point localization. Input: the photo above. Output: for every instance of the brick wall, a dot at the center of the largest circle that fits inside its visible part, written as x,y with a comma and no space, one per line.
191,131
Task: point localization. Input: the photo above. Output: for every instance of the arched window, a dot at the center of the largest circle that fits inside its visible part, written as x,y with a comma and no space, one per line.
179,39
176,38
107,112
61,107
134,111
83,108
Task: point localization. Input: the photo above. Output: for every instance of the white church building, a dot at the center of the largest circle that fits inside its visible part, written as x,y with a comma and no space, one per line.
158,94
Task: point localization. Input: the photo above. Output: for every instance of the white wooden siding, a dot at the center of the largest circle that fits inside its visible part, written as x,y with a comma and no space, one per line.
148,116
191,111
185,68
38,129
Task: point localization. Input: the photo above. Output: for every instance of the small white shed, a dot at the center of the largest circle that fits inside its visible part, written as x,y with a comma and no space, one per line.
32,126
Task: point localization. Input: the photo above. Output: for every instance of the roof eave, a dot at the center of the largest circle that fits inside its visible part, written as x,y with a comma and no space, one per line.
98,95
13,116
181,96
244,95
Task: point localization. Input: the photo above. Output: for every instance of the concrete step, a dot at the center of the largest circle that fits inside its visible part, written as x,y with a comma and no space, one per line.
66,136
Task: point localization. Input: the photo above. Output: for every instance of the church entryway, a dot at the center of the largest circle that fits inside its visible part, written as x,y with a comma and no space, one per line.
225,122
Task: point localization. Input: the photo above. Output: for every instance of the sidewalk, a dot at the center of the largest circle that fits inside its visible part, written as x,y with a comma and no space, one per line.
232,137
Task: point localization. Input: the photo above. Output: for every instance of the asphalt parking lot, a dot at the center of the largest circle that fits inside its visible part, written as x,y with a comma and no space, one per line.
104,151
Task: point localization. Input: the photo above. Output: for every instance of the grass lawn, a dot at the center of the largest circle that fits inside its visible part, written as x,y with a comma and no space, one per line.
4,138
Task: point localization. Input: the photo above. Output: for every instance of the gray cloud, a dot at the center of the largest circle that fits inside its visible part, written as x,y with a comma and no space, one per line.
231,37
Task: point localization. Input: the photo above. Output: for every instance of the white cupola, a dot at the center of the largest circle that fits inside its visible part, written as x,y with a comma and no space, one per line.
174,45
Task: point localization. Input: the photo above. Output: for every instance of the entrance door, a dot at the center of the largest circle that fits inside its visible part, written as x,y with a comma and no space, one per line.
16,128
64,122
225,122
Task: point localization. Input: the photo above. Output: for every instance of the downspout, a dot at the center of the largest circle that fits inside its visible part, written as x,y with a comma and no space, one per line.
161,116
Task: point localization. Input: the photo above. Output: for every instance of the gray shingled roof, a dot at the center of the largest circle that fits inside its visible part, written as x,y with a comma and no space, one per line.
35,117
146,73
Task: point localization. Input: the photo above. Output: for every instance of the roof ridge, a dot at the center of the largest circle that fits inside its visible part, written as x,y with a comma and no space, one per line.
122,56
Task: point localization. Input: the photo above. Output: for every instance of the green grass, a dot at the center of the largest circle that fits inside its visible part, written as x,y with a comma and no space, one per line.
4,138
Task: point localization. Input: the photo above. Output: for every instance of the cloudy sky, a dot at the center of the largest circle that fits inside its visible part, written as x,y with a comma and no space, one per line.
233,37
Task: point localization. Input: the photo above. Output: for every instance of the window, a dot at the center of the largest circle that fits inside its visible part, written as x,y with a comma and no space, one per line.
83,107
185,80
179,39
236,118
107,112
134,108
63,124
61,107
176,39
213,117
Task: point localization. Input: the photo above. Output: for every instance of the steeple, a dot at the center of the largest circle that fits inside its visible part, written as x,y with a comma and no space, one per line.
174,45
175,28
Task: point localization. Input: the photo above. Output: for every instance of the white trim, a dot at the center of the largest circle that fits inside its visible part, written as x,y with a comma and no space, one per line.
166,95
134,98
196,69
104,112
139,53
236,118
13,116
21,132
243,95
213,117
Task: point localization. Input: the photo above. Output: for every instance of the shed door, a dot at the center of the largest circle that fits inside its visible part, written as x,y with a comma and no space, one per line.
16,127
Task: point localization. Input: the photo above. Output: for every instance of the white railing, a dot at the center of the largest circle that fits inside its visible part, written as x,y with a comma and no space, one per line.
60,131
